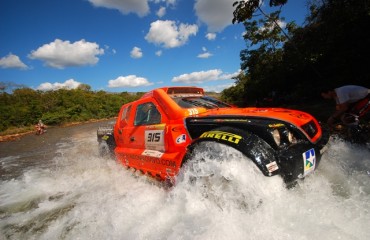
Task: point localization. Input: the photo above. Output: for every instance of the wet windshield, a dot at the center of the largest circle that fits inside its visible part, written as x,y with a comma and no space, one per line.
200,101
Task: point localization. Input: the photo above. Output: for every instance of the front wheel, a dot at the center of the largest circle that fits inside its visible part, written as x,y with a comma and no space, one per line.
225,176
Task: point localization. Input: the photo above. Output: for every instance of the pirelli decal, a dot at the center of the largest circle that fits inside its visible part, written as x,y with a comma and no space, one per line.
226,136
276,125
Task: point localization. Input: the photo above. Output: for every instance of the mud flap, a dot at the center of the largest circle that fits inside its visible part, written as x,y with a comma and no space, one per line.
106,141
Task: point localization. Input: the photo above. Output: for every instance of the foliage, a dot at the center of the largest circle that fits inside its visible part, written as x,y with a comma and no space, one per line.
232,94
25,106
245,9
331,49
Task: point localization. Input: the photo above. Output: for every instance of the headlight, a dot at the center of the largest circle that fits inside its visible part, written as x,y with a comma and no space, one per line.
289,136
276,135
283,136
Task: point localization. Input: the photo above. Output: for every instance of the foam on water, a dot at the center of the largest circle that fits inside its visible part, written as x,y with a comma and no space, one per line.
83,196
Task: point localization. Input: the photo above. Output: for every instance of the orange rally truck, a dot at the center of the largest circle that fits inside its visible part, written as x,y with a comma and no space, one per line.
158,133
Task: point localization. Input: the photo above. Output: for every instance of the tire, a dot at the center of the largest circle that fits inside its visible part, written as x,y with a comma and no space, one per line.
224,176
252,146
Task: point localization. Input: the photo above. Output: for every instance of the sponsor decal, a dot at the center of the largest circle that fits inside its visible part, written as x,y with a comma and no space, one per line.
260,110
181,139
309,161
160,126
154,139
272,167
150,159
299,115
193,111
152,153
276,125
230,137
177,129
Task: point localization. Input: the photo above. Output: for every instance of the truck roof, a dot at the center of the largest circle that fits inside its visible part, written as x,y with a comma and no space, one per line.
178,91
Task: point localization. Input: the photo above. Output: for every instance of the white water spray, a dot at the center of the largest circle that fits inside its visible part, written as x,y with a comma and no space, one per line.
83,196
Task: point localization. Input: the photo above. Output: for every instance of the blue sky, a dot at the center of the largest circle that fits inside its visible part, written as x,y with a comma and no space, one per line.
123,45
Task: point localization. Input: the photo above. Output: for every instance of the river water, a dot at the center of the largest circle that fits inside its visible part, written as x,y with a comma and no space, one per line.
55,186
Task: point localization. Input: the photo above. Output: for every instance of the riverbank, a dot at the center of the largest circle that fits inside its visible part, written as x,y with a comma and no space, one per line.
17,133
320,111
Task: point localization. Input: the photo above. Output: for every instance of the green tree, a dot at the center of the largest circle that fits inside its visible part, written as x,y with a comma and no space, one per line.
233,94
262,58
25,106
331,48
84,87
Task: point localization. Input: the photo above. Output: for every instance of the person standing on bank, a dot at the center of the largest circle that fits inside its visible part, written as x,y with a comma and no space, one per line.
347,98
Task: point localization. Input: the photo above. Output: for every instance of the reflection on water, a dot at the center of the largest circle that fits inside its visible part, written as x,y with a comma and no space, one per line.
68,192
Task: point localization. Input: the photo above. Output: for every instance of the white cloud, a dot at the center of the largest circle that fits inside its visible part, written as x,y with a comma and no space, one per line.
218,88
109,51
282,24
161,12
271,26
61,54
136,53
140,7
205,55
216,14
158,53
68,84
128,81
168,2
230,76
203,76
168,34
12,61
211,36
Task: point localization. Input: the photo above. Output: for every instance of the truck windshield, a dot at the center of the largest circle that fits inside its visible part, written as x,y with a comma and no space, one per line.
200,101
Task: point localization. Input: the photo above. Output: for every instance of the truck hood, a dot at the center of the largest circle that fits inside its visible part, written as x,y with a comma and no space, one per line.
304,121
292,116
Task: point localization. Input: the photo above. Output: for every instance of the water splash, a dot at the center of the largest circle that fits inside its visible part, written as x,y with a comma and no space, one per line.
83,196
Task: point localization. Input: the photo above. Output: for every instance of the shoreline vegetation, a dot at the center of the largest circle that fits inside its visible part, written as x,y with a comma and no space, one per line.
319,111
22,108
15,134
